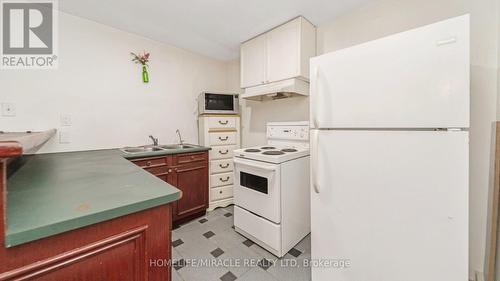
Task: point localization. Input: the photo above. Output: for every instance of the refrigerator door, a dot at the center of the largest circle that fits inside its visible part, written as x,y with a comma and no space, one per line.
392,203
414,79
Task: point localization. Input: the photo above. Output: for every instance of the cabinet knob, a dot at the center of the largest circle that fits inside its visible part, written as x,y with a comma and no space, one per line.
148,163
169,171
220,192
192,157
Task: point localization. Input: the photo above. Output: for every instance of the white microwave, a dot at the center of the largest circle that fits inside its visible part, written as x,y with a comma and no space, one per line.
218,103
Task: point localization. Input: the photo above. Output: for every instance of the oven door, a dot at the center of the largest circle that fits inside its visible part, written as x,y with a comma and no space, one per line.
257,188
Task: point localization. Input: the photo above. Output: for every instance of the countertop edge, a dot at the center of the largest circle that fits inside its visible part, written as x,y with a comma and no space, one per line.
19,238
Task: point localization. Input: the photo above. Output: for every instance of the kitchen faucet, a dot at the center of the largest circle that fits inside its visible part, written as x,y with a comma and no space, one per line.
181,142
155,140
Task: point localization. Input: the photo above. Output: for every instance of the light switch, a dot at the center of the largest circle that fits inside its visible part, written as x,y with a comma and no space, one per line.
66,120
8,109
64,137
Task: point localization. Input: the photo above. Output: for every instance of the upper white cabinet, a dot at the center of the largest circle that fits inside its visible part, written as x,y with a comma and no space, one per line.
254,57
279,54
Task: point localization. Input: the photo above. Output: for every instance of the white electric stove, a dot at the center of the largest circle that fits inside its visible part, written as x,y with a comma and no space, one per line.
271,190
285,141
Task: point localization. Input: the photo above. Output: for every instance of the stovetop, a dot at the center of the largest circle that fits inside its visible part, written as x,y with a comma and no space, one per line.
272,153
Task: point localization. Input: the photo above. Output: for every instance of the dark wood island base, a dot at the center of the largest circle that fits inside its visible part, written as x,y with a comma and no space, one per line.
132,247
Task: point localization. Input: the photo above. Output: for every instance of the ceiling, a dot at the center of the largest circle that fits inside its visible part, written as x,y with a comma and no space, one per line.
214,28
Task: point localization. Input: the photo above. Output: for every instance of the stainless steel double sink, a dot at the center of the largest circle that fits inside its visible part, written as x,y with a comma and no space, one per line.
152,148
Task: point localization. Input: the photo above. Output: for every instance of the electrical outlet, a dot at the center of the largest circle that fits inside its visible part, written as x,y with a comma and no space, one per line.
64,137
66,120
8,109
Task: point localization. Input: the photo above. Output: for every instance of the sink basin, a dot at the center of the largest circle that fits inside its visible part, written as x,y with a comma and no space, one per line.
141,149
151,148
175,146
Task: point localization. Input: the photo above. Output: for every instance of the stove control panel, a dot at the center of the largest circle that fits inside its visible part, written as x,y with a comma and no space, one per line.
288,132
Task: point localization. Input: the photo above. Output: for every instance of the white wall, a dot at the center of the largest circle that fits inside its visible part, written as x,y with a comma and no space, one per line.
102,90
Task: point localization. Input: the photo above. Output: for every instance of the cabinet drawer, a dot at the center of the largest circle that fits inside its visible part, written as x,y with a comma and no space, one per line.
222,152
221,166
191,157
217,122
222,138
158,170
221,179
150,162
221,193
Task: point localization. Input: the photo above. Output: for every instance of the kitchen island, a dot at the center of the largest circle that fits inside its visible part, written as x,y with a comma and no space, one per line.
90,215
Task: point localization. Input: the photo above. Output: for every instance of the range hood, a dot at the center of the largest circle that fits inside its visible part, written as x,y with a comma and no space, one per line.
277,90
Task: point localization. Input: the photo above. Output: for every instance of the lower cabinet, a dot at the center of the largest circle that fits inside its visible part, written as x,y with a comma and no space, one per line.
189,173
134,247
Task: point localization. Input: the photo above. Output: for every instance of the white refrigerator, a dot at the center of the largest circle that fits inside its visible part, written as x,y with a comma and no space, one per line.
389,157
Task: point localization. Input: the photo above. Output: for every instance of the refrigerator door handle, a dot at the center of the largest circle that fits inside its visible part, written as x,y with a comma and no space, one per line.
314,92
314,158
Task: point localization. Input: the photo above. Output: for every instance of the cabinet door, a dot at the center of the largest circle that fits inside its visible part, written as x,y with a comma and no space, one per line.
253,62
192,180
283,47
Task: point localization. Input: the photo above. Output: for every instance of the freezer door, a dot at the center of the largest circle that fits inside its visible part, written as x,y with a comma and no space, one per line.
393,204
414,79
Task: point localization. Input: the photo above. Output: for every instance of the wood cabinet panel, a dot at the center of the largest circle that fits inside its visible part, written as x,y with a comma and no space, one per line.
158,170
189,173
115,250
190,157
192,180
150,162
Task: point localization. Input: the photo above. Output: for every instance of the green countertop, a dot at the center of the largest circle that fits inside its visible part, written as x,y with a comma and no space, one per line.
58,192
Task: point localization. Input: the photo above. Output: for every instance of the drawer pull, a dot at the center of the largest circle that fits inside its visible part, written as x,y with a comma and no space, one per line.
224,139
224,180
148,163
224,166
225,152
223,123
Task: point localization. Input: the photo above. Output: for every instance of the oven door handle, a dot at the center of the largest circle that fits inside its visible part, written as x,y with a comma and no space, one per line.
266,168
